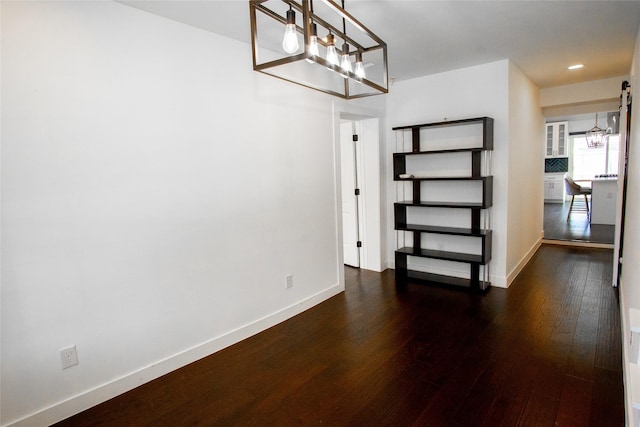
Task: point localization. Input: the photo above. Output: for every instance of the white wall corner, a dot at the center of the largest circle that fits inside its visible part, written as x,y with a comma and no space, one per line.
111,389
499,282
522,263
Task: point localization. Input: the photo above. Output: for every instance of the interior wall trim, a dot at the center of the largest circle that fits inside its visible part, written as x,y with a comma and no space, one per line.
89,398
578,243
522,263
626,374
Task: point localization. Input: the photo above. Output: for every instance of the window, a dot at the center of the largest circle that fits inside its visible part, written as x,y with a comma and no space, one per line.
589,162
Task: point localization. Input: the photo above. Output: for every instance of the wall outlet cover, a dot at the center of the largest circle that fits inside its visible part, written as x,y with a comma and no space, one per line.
68,357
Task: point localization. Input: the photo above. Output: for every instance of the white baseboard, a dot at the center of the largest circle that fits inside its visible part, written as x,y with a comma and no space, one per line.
522,263
106,391
578,243
630,416
498,282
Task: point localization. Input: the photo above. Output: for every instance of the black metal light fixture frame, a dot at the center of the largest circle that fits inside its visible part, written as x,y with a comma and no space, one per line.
311,19
596,137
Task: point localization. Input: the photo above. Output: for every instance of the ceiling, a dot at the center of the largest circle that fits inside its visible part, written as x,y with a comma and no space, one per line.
542,38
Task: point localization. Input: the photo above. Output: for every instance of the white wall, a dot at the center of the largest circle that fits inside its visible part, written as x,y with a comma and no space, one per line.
469,92
155,193
501,91
582,98
526,168
629,280
581,92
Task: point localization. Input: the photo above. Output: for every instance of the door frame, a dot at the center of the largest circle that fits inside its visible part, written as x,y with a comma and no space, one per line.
625,134
353,166
372,198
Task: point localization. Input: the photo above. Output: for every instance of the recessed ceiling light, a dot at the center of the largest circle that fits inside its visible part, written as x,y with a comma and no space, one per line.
576,67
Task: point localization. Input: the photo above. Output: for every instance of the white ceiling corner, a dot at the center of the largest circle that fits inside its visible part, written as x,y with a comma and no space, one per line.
542,38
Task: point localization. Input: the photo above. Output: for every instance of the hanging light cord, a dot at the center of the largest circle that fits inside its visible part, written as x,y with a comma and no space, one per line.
345,46
344,24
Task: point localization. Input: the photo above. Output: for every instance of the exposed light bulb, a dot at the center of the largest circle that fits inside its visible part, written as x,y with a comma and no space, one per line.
359,71
345,63
313,41
290,41
332,54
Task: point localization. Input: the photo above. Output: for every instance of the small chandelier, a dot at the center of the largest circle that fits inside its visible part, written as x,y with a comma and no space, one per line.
596,137
349,61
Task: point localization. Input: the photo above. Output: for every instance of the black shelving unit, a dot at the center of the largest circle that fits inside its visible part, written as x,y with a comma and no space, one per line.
421,231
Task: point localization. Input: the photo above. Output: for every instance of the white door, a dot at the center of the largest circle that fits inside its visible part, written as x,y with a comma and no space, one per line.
350,224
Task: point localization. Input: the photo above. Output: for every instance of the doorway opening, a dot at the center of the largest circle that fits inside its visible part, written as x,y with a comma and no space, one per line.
588,167
351,168
361,191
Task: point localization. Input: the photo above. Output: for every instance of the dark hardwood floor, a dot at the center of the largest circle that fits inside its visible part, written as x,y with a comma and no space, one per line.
577,228
545,352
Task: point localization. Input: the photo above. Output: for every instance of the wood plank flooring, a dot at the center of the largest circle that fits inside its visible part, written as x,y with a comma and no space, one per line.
578,228
545,352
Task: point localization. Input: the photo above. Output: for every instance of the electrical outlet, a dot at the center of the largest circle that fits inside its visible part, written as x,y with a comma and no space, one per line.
289,280
68,357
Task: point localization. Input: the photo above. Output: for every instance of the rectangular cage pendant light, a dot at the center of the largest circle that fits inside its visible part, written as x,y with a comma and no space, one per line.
317,45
